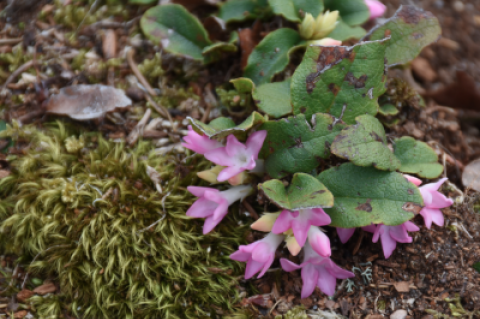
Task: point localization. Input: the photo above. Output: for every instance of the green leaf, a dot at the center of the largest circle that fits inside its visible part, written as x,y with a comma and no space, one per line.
243,85
343,32
353,12
340,80
239,10
176,30
294,10
214,52
365,144
271,55
476,266
304,191
293,145
411,29
274,98
222,128
364,195
388,109
417,158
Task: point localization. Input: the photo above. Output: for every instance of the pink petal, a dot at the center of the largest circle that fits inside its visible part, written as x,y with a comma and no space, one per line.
199,191
413,179
318,217
388,244
252,268
410,226
199,143
371,228
240,255
234,147
427,196
228,173
283,222
310,279
345,233
255,143
434,186
440,201
300,230
288,266
399,234
326,282
321,244
377,9
220,157
202,208
337,271
266,266
379,230
210,224
432,215
262,252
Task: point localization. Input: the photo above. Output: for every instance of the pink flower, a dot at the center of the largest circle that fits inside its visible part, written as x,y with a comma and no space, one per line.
213,204
390,235
345,233
317,271
434,200
199,143
319,242
300,221
259,255
237,157
377,9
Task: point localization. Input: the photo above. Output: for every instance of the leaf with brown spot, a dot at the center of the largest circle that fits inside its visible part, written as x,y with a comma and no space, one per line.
365,195
87,102
411,29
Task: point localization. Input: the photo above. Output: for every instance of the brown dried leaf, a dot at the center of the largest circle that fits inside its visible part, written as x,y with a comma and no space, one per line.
86,102
402,286
249,38
461,94
24,294
109,44
20,314
471,175
45,289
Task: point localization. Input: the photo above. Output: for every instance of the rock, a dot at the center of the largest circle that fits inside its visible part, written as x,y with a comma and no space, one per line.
402,286
399,314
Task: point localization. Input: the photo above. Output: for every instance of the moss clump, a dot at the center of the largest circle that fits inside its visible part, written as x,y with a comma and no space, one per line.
82,210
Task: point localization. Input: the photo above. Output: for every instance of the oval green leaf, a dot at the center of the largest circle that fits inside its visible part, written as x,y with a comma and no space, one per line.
364,195
304,191
294,145
353,12
273,98
417,158
177,30
271,55
343,32
411,29
365,144
239,10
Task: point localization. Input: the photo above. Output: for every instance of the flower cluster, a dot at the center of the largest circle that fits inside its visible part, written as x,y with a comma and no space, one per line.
299,229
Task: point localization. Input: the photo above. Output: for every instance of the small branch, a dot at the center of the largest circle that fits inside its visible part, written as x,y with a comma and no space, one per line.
17,72
250,209
10,41
138,74
138,129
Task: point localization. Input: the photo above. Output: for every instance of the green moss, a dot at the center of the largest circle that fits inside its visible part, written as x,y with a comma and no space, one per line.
152,68
82,209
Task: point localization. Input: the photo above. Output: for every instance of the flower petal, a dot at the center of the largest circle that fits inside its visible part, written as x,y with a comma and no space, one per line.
283,222
337,271
262,252
376,8
240,255
434,186
199,191
413,179
266,266
288,266
202,208
427,216
399,234
252,268
310,279
255,143
229,172
220,157
388,244
371,228
234,147
440,201
210,224
326,282
345,233
300,230
411,226
319,242
318,217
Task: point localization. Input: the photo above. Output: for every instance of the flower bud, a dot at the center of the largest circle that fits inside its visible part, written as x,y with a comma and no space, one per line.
327,42
211,174
324,24
307,27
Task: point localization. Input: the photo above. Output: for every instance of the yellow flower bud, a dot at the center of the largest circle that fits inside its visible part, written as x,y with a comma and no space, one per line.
324,24
211,174
292,245
239,179
265,223
307,27
327,42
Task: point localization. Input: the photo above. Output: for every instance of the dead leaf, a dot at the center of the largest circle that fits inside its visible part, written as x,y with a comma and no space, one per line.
422,68
86,102
20,314
24,294
402,286
462,94
155,177
4,173
109,44
45,289
471,175
249,38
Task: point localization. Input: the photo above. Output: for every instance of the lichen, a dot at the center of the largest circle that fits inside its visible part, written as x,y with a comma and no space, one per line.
89,216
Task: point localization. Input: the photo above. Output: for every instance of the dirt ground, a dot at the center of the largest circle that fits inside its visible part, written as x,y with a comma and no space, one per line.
430,278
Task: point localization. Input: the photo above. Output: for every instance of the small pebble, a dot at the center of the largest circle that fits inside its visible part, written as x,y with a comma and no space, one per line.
399,314
458,6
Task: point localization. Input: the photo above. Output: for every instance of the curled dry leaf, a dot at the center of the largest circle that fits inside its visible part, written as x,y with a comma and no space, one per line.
87,102
471,175
45,289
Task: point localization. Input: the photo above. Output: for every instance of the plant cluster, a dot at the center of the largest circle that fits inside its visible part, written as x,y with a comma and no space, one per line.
87,211
326,160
